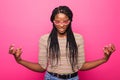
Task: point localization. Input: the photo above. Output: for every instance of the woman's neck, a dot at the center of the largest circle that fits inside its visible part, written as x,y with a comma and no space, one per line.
62,35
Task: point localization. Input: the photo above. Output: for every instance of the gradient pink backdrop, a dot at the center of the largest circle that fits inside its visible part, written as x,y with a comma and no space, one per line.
22,22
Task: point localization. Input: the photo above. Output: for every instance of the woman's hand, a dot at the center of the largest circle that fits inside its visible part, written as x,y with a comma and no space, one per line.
108,50
30,65
16,52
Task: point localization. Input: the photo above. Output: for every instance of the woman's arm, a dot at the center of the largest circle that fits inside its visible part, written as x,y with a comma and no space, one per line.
92,64
108,50
17,55
32,66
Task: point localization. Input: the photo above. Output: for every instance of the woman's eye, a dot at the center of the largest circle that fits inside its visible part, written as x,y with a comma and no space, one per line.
65,21
57,21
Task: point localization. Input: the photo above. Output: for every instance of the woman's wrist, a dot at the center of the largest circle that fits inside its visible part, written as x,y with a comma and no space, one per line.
19,60
104,59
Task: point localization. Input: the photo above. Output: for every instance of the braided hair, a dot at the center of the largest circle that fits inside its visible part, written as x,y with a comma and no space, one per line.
53,45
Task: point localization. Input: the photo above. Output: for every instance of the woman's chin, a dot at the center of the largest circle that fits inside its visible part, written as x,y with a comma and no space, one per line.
62,32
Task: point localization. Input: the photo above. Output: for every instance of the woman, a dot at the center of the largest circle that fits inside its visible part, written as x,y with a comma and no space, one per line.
62,50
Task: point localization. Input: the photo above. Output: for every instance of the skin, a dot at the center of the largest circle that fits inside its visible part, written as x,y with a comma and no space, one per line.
107,50
16,52
61,28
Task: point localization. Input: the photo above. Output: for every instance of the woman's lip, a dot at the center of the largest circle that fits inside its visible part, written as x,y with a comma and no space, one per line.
61,30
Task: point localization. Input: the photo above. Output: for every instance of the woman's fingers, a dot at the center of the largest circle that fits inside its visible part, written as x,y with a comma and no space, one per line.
106,51
18,52
112,47
12,49
109,49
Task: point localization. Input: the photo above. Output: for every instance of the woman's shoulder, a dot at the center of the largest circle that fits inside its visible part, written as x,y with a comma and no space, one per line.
45,36
79,38
78,35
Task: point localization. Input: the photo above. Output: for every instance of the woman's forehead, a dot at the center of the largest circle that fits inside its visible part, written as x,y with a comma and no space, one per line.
61,16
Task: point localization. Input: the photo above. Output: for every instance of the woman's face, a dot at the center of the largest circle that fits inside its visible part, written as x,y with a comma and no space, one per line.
61,22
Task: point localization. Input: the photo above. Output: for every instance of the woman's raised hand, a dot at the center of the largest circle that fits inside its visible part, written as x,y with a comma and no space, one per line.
16,52
108,50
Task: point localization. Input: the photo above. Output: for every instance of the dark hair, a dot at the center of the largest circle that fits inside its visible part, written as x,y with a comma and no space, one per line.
53,45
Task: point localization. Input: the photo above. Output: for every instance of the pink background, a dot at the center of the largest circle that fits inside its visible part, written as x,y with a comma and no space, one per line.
22,22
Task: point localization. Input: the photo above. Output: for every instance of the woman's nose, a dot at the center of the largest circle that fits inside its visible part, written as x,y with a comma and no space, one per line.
61,25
